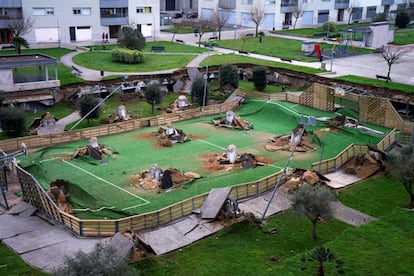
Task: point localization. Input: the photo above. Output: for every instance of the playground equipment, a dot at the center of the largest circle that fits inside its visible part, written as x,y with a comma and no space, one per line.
343,42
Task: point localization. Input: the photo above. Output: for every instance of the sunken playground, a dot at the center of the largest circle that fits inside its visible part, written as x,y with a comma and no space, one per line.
146,173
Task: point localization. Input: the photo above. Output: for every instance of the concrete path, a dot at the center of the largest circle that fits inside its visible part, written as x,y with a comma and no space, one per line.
361,65
37,242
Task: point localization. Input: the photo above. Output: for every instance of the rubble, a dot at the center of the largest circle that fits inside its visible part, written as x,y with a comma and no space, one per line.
232,120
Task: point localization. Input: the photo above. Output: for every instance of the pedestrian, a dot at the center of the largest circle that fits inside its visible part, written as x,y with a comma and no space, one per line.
103,37
106,38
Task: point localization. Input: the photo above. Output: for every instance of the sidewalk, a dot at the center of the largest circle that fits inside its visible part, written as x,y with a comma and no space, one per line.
368,65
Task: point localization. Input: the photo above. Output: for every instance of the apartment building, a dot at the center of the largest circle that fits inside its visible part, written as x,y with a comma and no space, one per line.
279,14
79,20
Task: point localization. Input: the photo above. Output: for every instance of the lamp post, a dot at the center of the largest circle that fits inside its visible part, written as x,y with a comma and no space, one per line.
206,76
235,37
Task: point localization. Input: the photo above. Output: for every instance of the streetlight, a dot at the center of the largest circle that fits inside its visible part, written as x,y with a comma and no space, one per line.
206,76
235,37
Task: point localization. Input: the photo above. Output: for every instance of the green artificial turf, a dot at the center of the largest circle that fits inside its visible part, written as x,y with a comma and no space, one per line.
96,186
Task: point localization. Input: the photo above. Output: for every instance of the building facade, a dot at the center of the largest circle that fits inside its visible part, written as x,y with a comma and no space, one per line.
279,14
79,20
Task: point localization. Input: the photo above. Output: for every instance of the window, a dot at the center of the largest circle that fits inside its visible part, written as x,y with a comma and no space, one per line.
247,2
144,10
270,2
43,11
371,11
82,11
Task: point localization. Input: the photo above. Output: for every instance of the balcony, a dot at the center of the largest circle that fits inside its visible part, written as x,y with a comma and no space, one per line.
387,2
288,6
113,3
227,4
114,21
11,4
341,4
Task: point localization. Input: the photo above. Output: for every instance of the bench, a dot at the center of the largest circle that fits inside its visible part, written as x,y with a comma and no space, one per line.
249,35
8,47
180,41
285,27
77,71
243,52
157,48
379,77
286,59
213,38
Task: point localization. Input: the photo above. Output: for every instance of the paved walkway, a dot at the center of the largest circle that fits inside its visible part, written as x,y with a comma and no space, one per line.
361,65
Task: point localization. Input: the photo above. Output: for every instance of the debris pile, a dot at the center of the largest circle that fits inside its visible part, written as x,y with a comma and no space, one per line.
367,164
231,159
297,176
298,138
45,120
59,196
232,120
181,103
170,135
120,116
155,179
94,149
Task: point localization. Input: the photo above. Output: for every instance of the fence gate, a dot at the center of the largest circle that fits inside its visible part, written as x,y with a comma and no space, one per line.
3,188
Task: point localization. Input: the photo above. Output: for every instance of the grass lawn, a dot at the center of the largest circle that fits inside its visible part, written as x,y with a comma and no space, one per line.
403,36
382,247
309,32
12,264
170,47
368,81
152,62
220,59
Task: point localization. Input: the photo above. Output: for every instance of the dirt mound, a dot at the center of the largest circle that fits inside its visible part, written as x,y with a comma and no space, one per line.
58,194
292,180
218,162
367,164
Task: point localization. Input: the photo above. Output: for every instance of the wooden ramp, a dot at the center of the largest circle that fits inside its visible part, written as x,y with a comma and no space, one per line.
214,202
179,234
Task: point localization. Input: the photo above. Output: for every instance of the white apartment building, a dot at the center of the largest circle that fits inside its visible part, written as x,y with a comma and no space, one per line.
279,14
80,20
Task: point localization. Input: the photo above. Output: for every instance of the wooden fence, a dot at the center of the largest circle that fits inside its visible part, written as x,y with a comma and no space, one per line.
35,194
38,141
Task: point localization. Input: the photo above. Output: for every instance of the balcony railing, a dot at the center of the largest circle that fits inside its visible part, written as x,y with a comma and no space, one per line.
227,4
387,2
341,4
288,6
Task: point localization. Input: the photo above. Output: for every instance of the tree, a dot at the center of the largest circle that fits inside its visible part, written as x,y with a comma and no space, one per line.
402,19
260,77
86,104
153,95
297,12
392,55
18,28
351,9
201,26
219,20
101,261
313,202
198,89
131,38
257,16
321,255
12,120
229,75
18,42
402,164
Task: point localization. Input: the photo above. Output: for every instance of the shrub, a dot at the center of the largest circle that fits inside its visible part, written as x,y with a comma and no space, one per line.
12,120
379,17
328,26
101,261
402,19
125,55
153,95
86,104
131,38
229,75
260,77
197,90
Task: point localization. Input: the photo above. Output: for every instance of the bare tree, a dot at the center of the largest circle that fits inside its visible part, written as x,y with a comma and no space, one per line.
297,12
219,20
257,16
244,36
351,9
19,27
392,55
201,26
